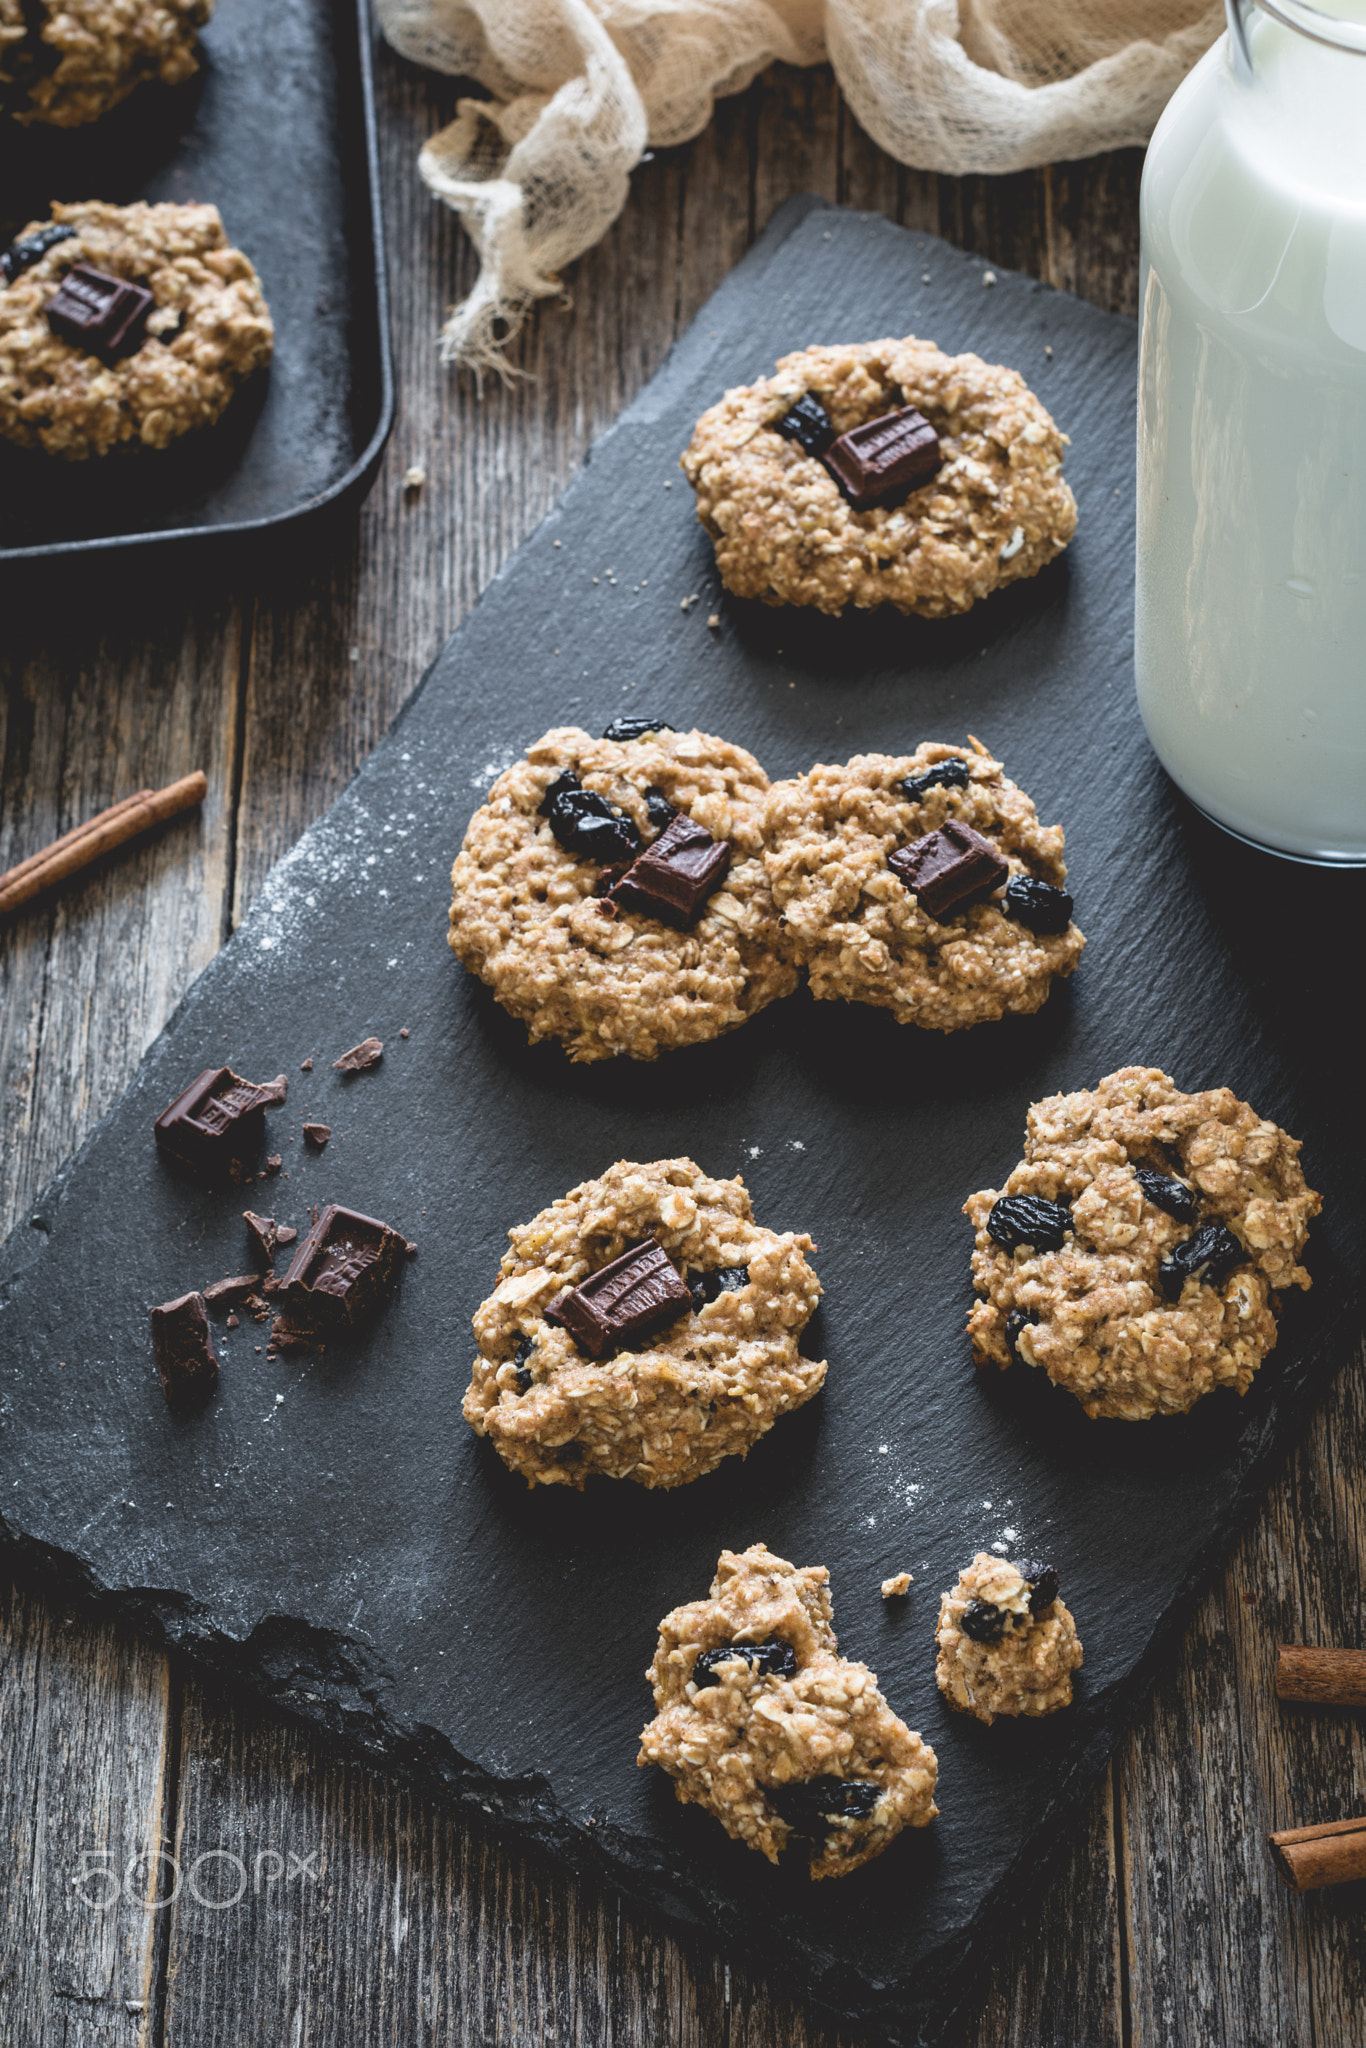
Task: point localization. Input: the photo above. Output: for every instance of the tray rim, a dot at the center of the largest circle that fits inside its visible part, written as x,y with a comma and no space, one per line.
358,476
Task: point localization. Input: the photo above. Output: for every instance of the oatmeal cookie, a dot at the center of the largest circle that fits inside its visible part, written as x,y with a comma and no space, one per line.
1007,1645
208,330
998,509
865,936
762,1722
721,1363
530,916
1137,1251
64,65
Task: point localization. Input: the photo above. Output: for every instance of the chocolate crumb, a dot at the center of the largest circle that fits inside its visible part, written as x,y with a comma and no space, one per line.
366,1054
263,1234
305,1066
404,1032
317,1134
410,1248
274,1163
236,1289
233,1323
285,1233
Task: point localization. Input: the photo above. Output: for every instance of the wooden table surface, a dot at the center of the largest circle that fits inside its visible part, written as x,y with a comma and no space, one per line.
368,1916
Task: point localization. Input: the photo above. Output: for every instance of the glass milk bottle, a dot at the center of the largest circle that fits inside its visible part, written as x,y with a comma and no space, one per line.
1250,621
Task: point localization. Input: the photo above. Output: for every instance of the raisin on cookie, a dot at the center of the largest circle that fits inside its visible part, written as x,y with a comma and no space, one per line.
172,368
613,894
63,65
783,511
1007,1645
923,883
761,1721
1137,1252
644,1327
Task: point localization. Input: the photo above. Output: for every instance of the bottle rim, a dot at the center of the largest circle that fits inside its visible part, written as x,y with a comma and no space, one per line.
1306,20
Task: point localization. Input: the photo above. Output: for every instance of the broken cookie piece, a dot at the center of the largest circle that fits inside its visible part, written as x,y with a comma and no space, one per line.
1007,1645
762,1722
215,1127
1138,1251
644,1327
183,1344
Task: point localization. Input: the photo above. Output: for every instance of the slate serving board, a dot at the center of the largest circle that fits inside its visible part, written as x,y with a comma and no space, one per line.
277,128
331,1531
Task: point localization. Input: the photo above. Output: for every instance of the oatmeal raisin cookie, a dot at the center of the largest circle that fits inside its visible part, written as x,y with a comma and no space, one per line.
66,64
1137,1252
529,915
761,1721
705,1386
208,330
864,936
1007,1645
997,510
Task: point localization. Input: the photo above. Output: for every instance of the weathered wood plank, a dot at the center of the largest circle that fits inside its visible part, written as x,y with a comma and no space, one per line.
85,1735
1222,1950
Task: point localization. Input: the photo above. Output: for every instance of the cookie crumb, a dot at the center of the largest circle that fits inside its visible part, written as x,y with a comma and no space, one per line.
895,1589
714,621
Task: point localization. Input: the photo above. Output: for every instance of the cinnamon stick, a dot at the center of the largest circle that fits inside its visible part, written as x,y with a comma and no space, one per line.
99,835
1310,1858
1325,1678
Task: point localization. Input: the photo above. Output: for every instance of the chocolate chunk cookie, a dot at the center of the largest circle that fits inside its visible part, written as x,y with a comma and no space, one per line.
612,893
923,883
783,510
762,1721
1007,1645
686,1355
63,65
1138,1251
138,383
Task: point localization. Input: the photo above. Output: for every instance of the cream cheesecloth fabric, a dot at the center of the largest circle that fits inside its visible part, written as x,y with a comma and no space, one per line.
581,88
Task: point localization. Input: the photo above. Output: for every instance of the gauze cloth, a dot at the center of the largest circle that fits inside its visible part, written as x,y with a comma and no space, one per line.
580,89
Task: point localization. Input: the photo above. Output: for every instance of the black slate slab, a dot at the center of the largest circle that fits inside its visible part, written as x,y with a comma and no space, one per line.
330,1529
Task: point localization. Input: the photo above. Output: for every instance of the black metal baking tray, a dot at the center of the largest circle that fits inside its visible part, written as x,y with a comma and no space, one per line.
277,129
350,1547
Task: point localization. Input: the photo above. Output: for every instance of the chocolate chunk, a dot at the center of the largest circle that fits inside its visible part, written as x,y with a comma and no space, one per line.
1209,1257
264,1236
662,812
21,256
673,878
105,316
1165,1193
215,1127
367,1054
622,1301
186,1359
1037,904
1029,1220
636,728
288,1336
950,774
949,869
807,423
705,1287
317,1134
344,1271
285,1233
240,1288
585,824
774,1657
885,458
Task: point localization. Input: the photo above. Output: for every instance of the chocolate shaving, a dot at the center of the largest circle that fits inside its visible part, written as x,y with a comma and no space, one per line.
366,1054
